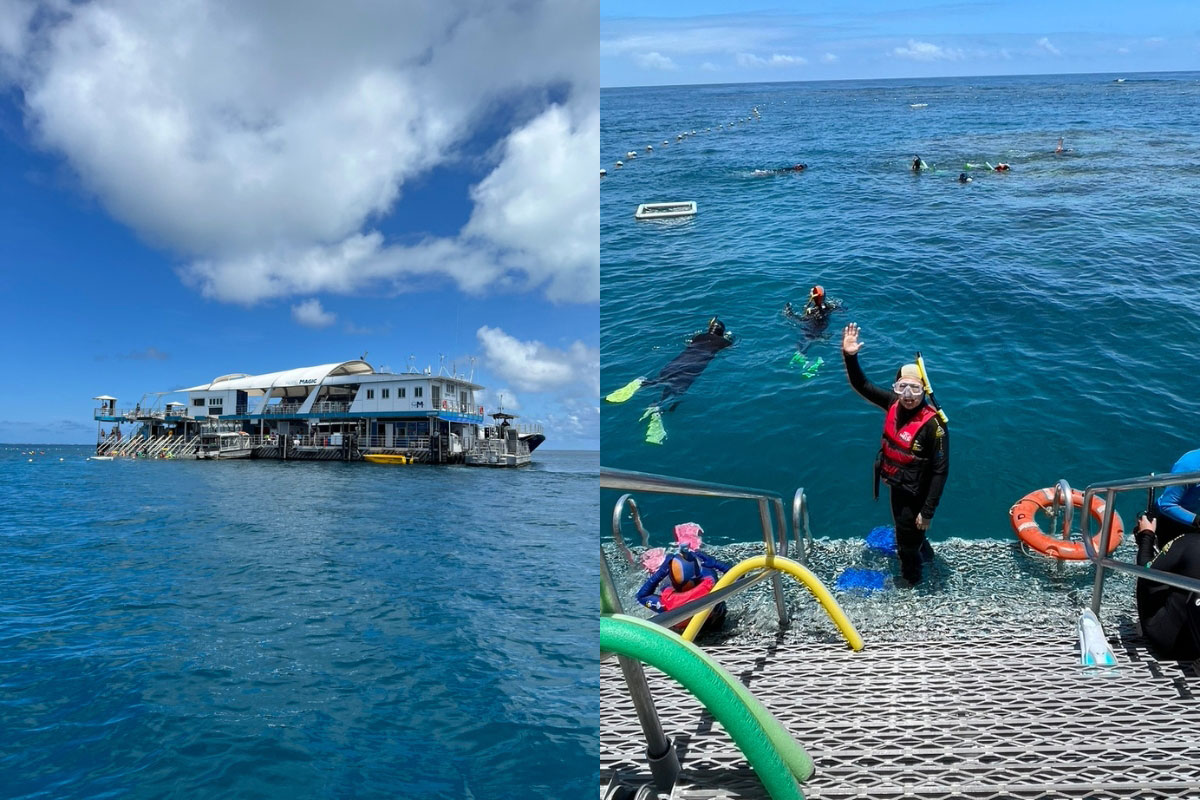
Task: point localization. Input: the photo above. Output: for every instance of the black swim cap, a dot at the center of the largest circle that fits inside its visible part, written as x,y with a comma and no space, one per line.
717,327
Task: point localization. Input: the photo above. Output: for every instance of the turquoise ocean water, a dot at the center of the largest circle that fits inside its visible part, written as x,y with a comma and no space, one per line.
1057,306
292,630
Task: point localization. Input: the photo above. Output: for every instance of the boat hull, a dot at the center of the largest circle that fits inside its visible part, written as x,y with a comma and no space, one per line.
533,440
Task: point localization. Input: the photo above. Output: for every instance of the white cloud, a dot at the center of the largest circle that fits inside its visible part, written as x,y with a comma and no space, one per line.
542,206
828,58
926,51
261,144
685,37
533,366
654,60
777,60
310,314
1123,51
708,66
1044,43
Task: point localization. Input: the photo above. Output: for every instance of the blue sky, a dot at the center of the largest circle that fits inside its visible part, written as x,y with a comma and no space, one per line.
191,190
733,42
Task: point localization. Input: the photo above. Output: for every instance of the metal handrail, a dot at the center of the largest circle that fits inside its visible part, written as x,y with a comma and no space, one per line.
800,523
630,481
1100,558
619,536
1062,490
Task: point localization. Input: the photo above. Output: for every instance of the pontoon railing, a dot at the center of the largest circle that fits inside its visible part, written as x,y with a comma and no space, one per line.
624,480
1099,556
619,535
800,523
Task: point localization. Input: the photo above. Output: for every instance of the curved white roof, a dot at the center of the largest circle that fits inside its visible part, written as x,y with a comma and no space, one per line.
301,376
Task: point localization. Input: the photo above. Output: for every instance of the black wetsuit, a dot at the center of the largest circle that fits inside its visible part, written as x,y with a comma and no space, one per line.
814,320
677,376
1170,616
931,442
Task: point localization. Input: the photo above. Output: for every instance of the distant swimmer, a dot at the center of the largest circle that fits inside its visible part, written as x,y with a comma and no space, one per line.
781,170
918,164
1059,149
1001,167
677,376
964,178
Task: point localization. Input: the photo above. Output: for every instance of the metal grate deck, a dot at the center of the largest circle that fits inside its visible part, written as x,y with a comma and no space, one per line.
1012,716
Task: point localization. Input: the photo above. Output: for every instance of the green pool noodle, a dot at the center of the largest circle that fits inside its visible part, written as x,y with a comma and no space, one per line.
775,756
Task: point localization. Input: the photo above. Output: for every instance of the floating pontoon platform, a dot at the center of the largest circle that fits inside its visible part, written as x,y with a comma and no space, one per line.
685,208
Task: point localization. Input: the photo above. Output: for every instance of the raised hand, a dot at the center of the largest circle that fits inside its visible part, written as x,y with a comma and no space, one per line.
850,342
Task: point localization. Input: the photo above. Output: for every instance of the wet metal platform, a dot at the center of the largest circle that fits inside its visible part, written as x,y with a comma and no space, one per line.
1006,716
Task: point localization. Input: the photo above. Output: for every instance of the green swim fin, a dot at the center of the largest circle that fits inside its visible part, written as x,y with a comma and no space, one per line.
799,358
810,369
655,432
625,392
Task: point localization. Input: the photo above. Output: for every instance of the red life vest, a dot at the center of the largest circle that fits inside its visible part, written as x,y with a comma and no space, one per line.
672,599
898,465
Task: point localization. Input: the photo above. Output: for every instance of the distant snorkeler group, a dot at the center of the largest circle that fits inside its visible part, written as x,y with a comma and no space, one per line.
918,165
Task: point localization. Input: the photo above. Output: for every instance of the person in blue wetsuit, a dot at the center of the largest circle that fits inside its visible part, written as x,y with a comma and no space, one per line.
1177,506
1170,617
693,574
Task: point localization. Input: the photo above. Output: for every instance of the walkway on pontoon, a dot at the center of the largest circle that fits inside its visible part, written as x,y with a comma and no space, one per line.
1007,716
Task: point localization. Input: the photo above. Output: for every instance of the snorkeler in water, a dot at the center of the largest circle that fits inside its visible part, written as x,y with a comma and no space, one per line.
964,178
813,320
677,376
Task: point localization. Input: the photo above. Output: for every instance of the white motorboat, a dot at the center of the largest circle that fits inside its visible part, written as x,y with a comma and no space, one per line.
226,444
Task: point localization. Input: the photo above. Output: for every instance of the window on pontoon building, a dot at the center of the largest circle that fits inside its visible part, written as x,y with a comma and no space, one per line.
418,391
400,392
370,394
198,401
384,393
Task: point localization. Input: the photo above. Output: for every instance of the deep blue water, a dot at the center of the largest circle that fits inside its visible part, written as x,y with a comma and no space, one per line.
1056,305
286,629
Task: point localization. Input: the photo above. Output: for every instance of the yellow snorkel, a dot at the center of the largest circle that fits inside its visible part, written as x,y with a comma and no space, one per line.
929,390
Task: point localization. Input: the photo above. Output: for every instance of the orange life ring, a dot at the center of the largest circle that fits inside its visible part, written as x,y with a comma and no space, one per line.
1022,517
445,405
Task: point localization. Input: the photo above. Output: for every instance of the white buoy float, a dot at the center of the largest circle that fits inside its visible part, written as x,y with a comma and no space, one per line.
620,163
649,148
631,154
603,172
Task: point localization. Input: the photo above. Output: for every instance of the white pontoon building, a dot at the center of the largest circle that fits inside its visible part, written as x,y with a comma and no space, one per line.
329,411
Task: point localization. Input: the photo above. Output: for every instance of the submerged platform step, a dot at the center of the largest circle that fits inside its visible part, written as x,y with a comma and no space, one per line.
996,717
